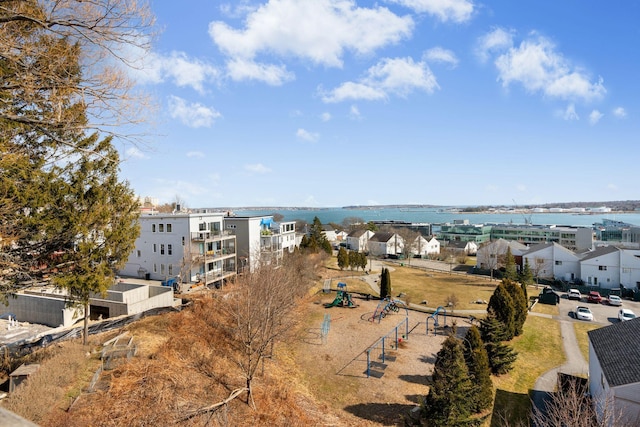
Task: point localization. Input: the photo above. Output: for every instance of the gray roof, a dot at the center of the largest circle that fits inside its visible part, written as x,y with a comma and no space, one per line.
357,233
618,350
381,237
599,251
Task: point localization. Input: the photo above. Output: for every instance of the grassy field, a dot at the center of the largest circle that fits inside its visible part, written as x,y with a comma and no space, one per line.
581,335
539,349
438,288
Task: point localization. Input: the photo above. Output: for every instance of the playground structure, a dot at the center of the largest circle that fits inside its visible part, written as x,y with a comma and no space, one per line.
440,311
342,299
378,351
386,306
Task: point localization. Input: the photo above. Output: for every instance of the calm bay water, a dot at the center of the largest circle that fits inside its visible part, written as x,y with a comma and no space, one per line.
436,216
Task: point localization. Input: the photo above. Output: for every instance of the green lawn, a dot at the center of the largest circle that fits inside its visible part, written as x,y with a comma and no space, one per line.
539,350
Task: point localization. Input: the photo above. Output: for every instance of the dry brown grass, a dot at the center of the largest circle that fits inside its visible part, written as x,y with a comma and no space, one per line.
581,330
62,371
436,287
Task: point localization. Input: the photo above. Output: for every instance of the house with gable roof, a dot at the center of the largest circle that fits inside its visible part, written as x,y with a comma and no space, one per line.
601,267
358,240
614,371
552,261
383,244
490,255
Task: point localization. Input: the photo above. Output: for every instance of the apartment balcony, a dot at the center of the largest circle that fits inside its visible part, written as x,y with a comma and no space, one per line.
213,276
207,236
213,255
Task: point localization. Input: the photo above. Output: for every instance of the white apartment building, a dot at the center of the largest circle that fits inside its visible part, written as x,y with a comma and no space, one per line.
193,247
260,239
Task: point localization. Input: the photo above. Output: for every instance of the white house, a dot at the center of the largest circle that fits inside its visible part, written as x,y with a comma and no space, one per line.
601,267
614,371
382,244
469,248
193,247
630,268
358,240
423,247
329,233
552,261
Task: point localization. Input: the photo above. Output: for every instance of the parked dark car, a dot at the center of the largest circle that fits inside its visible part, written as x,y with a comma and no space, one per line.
594,296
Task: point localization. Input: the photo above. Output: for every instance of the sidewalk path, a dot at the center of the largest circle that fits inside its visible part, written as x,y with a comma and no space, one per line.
575,365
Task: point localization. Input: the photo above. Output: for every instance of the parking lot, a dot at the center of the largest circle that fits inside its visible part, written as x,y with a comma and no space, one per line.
603,313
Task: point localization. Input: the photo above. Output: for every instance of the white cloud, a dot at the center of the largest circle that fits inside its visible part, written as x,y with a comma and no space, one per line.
307,136
354,113
293,28
570,113
539,68
257,168
195,154
177,67
310,201
496,40
620,112
136,153
325,117
390,76
243,69
194,115
594,117
444,10
438,54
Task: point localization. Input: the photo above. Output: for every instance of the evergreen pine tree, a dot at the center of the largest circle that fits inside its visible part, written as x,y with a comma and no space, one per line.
448,403
511,272
385,283
501,356
343,258
526,278
477,361
502,307
520,305
98,213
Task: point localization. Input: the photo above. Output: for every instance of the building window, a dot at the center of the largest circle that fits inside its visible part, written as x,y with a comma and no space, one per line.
155,248
170,268
602,267
558,262
139,253
202,226
168,228
161,268
153,228
162,249
169,250
182,240
155,268
161,228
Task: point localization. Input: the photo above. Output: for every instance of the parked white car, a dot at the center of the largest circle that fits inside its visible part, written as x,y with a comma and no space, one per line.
583,313
574,294
626,314
615,300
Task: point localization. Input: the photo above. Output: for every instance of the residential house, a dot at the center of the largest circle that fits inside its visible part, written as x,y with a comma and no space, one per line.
385,244
419,247
329,233
601,267
552,261
466,247
490,256
192,247
358,240
614,371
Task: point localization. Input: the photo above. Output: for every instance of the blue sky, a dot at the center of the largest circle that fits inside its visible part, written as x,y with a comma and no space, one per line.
327,103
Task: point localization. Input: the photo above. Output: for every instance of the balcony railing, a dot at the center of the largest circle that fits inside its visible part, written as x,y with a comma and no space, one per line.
211,255
201,236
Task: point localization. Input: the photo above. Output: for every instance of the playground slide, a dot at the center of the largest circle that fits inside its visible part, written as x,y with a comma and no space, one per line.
336,302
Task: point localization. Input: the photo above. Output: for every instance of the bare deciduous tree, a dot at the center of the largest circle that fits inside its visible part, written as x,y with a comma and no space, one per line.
261,308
